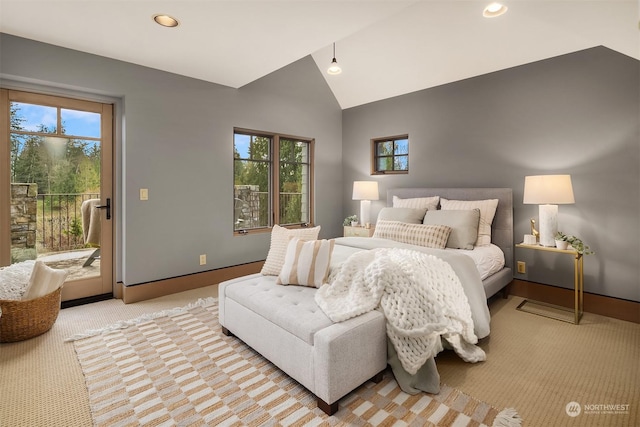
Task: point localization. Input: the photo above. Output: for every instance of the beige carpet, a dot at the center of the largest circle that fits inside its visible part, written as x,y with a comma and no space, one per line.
534,364
181,370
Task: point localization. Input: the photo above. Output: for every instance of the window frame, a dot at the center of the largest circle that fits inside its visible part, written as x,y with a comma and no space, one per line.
274,179
375,157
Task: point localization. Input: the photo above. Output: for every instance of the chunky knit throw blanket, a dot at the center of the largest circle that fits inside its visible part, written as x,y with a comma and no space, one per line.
419,294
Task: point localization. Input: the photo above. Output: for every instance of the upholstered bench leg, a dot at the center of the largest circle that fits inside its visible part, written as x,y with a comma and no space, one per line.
226,332
332,408
327,408
378,377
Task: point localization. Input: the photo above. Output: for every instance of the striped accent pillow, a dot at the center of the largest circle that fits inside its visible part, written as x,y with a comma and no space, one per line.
279,240
430,236
306,263
487,212
428,203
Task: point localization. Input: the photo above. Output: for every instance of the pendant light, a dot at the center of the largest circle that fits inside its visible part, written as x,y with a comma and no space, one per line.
334,68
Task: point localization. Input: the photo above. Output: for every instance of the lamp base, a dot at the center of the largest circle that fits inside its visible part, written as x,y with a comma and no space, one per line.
365,211
548,226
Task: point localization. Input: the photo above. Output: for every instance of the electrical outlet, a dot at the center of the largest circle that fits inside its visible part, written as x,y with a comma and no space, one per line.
203,259
522,267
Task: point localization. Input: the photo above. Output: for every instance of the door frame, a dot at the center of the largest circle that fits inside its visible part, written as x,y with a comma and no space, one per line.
78,288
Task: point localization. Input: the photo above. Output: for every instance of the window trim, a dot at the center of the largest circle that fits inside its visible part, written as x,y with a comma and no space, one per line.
375,157
274,181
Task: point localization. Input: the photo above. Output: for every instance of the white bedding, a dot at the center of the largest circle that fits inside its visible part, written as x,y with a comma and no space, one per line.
426,378
488,259
346,246
421,296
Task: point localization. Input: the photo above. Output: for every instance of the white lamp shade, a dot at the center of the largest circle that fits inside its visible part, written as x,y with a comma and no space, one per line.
548,189
365,190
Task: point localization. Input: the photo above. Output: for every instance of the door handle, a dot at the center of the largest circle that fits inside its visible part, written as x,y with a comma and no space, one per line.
107,207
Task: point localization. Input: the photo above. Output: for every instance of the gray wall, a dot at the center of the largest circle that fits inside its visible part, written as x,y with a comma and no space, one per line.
576,114
176,140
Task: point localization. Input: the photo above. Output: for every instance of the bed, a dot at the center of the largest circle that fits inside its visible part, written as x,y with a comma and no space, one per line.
329,357
501,226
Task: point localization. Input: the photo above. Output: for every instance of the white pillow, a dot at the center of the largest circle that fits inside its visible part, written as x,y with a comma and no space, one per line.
43,281
408,215
487,212
306,263
428,203
464,226
430,236
279,240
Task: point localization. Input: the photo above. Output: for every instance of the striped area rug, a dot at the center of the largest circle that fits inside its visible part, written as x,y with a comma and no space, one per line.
177,368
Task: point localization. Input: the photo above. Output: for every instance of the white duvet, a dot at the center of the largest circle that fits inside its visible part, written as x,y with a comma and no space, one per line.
420,295
463,265
487,259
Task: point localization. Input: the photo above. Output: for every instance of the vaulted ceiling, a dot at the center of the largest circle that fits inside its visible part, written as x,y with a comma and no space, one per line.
385,48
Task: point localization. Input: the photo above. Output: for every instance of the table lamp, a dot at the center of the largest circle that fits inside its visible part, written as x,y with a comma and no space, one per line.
365,191
548,191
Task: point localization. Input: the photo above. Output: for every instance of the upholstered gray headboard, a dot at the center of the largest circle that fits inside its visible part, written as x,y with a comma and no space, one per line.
502,226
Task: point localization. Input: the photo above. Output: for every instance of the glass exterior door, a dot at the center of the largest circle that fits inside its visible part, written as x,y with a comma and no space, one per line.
59,188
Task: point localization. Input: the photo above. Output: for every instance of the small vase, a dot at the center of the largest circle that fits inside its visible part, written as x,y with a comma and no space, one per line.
354,223
562,244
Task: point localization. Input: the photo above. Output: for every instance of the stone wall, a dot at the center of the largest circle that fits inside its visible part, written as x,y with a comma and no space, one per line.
24,207
246,206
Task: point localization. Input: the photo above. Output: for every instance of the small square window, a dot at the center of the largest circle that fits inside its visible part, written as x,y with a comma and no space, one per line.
390,155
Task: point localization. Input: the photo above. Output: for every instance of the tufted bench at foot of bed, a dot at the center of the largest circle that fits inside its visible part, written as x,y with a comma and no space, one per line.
284,324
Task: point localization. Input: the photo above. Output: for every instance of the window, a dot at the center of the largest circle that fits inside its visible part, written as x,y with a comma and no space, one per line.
273,180
390,155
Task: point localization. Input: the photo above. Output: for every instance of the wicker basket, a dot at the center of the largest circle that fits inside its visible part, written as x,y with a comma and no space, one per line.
21,320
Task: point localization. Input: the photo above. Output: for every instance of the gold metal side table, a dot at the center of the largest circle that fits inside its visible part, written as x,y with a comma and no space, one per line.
578,285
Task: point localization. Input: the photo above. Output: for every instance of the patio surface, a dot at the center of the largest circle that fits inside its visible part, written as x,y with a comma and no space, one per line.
72,261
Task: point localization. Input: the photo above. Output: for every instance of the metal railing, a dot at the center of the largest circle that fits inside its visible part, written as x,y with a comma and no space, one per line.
59,221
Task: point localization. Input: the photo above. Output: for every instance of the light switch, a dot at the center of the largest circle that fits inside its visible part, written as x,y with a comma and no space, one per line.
144,194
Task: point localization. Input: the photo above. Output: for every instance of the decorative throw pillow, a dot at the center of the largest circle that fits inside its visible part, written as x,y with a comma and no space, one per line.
306,263
43,281
408,215
464,226
430,236
279,240
428,203
487,212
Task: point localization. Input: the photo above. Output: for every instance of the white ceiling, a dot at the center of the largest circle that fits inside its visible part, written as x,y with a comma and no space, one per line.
385,48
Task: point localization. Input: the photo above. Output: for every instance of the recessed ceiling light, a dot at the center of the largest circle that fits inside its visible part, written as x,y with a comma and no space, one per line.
165,20
494,9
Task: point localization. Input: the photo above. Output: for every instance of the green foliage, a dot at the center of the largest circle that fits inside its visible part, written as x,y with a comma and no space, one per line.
255,170
294,158
348,220
561,236
75,228
73,167
575,242
392,155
